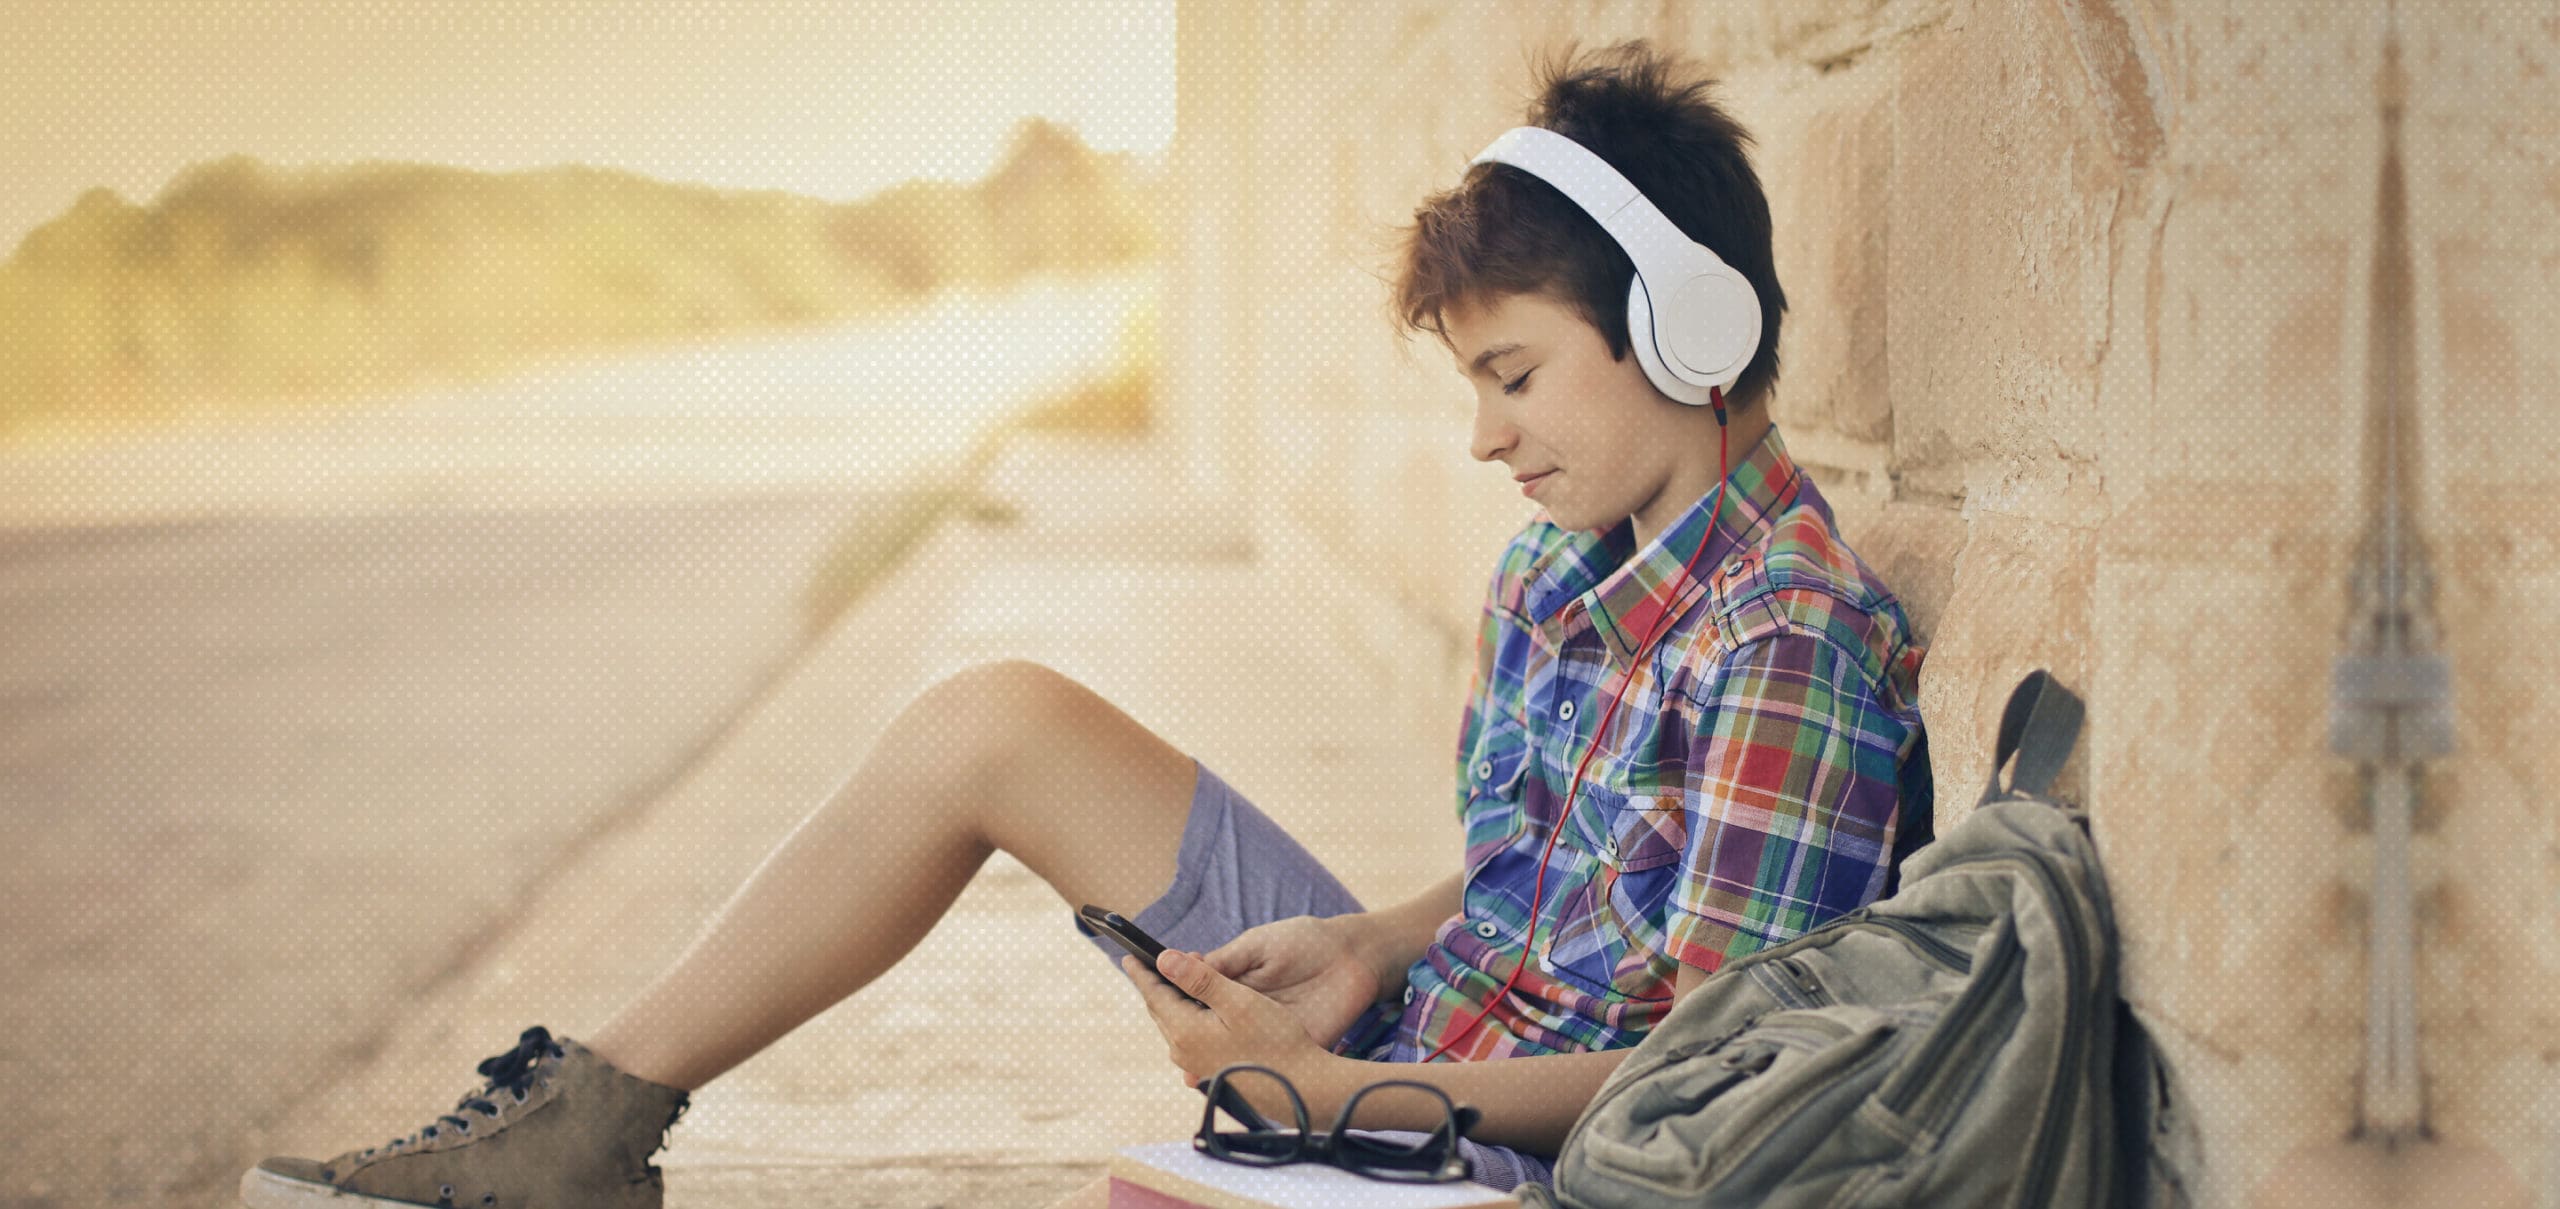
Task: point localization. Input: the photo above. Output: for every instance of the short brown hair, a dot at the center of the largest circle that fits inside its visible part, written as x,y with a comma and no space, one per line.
1501,230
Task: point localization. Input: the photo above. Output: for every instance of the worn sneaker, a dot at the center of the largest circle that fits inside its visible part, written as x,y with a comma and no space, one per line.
556,1127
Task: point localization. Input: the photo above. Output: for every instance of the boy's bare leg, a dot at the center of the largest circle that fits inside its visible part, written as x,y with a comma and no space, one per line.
1004,755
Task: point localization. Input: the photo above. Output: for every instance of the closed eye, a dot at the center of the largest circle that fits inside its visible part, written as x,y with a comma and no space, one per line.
1513,386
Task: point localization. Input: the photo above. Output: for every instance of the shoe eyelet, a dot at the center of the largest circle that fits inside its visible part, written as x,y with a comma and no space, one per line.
465,1127
520,1096
446,1192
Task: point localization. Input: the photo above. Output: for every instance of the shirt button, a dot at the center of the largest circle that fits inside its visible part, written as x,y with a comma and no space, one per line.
1485,928
1565,711
1408,994
1484,771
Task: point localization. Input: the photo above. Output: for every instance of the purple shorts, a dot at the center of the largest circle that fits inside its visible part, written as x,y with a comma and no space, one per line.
1239,870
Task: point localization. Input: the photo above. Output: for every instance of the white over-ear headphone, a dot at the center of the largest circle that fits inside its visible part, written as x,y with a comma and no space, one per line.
1693,320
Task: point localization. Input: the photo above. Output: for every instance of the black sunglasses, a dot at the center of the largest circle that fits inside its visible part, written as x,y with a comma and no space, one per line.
1434,1159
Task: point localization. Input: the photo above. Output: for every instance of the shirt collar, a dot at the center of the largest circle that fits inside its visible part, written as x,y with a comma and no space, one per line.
1625,598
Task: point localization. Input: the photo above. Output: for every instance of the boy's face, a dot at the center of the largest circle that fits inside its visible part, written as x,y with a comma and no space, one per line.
1611,446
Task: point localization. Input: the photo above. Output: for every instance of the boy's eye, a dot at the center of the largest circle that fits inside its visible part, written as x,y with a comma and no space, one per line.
1513,386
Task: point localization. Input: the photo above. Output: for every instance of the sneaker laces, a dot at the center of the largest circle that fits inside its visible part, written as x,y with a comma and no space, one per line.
684,1100
509,1074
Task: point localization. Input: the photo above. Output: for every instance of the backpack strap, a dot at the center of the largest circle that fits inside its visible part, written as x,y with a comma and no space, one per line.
1918,828
2039,727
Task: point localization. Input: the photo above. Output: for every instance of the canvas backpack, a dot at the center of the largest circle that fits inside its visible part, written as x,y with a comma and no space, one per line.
1960,1042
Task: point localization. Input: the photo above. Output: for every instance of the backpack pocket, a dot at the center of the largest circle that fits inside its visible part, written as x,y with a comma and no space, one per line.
1703,1115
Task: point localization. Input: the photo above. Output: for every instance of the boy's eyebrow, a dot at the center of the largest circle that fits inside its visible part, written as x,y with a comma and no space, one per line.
1489,354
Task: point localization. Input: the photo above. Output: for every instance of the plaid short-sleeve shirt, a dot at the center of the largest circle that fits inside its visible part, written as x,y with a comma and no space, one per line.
1750,786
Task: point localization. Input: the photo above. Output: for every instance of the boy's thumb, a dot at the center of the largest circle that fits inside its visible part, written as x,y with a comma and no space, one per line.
1229,958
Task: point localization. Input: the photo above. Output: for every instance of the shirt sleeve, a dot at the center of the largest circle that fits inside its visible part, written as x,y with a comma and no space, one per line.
1792,795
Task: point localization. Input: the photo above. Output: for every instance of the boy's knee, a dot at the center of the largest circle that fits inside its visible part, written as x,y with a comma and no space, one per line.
1006,687
995,705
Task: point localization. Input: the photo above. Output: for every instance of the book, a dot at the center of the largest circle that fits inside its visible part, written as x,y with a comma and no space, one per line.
1171,1175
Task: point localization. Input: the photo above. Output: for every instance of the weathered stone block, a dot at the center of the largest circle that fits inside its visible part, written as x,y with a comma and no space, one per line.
1828,201
2001,190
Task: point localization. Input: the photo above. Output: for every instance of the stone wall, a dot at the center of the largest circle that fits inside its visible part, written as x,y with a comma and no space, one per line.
2081,344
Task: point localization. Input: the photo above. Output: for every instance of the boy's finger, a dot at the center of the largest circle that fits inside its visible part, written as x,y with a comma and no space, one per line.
1196,980
1165,1000
1148,981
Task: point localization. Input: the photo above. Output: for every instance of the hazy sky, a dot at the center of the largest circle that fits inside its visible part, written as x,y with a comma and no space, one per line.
831,98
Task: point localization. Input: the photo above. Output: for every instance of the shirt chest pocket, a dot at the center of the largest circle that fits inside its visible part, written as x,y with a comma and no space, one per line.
1627,830
1609,925
1497,788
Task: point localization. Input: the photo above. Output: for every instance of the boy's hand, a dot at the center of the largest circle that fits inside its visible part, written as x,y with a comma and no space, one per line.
1307,964
1239,1025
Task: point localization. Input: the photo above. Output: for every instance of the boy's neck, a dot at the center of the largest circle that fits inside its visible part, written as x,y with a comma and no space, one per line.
1743,432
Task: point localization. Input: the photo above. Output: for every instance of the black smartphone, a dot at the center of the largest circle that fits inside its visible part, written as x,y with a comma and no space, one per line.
1128,936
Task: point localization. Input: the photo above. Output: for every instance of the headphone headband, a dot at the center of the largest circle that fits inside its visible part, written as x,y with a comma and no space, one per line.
1694,321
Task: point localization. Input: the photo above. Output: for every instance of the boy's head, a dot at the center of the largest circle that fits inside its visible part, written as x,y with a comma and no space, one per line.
1504,231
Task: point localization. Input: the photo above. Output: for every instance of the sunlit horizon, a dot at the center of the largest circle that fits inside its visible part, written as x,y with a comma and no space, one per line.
834,107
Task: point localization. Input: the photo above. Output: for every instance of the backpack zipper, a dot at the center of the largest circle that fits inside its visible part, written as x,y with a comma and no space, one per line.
1629,1073
2047,1149
1903,1088
1920,938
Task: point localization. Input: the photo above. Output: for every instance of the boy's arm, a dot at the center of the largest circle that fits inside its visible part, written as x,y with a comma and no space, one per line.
1391,939
1529,1103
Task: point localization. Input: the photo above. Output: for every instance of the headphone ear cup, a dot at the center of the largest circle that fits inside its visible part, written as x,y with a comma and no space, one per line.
1640,335
1711,322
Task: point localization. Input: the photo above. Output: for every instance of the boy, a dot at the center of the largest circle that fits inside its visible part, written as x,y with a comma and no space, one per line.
1766,765
1753,779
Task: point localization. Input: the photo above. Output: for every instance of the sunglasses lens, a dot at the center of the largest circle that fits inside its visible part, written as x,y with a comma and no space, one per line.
1373,1142
1268,1138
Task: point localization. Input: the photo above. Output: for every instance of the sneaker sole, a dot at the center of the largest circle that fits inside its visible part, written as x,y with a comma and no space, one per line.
264,1189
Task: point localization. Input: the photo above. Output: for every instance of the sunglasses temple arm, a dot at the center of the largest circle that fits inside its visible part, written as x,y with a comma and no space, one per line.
1236,1105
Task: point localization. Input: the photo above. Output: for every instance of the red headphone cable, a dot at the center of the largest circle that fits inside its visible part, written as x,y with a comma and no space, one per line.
1724,467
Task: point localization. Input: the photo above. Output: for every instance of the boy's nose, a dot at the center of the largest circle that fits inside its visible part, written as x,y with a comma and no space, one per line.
1491,433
